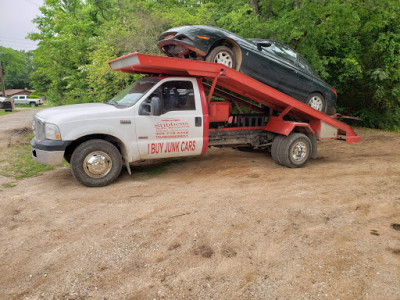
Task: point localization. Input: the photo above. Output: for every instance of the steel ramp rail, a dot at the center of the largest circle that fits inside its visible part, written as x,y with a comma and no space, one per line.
322,125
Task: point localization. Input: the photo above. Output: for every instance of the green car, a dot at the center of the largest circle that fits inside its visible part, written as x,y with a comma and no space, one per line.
268,61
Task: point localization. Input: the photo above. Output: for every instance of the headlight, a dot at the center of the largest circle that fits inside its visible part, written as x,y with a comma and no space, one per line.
52,132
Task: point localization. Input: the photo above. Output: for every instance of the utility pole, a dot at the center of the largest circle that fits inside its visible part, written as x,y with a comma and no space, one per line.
2,81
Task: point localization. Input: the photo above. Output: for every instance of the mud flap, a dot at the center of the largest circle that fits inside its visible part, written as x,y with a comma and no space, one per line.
314,144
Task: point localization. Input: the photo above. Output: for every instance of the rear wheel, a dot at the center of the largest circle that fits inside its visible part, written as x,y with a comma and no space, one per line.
317,101
33,104
275,148
222,55
295,150
96,163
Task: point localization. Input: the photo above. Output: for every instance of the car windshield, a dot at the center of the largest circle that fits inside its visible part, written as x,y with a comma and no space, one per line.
132,94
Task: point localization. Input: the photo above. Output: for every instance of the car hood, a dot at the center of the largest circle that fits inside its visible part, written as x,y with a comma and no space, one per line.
86,111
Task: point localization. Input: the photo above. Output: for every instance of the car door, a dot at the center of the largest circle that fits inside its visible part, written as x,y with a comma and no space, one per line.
307,76
275,65
177,129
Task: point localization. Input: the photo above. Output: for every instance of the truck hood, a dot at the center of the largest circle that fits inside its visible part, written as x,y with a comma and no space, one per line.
70,113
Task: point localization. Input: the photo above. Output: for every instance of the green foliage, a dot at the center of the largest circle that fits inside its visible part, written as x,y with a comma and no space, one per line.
353,45
17,66
19,163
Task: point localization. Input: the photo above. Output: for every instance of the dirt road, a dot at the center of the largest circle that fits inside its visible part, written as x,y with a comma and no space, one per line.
229,225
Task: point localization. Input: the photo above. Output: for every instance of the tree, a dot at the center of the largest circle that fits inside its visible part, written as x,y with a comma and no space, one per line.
17,66
353,45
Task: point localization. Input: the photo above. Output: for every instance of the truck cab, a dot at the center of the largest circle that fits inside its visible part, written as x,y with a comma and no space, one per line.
154,118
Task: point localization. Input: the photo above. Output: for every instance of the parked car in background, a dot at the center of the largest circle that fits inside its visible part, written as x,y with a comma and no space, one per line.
268,61
24,100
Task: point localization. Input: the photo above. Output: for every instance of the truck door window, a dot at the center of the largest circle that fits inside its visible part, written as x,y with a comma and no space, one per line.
177,95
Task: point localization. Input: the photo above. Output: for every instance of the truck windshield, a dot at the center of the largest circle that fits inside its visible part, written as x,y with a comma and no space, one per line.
134,92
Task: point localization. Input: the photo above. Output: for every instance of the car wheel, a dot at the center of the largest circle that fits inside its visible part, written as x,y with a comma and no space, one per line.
222,55
33,104
96,163
294,150
317,101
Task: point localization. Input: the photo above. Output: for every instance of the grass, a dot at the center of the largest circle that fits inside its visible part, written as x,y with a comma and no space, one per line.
16,160
19,163
3,112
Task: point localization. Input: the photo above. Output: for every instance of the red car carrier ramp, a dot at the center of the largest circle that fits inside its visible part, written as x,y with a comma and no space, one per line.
322,125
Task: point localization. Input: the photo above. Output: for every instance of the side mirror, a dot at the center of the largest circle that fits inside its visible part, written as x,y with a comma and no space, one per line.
155,106
263,44
151,107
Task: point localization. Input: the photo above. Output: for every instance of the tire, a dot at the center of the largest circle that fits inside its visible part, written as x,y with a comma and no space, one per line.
275,148
295,150
317,101
222,55
96,163
33,104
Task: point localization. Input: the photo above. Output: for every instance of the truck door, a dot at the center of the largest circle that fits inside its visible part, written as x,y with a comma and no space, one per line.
169,122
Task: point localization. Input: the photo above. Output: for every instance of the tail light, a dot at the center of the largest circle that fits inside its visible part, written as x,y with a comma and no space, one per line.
334,91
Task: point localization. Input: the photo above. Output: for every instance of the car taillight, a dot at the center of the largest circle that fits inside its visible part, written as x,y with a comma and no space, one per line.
334,91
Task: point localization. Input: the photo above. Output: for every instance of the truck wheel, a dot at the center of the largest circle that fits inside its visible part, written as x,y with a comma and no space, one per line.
33,104
96,163
295,150
222,55
317,101
275,148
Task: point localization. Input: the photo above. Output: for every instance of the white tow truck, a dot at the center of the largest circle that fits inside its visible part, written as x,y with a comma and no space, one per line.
169,115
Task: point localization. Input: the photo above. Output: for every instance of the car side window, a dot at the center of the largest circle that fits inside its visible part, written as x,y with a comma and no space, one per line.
281,51
177,95
305,66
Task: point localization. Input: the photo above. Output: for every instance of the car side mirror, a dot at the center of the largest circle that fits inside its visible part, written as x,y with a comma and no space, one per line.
263,44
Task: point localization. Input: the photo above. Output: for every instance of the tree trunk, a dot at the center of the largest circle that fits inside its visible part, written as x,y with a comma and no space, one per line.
297,4
254,5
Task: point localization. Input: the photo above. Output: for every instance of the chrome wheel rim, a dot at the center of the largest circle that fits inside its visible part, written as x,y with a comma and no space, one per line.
299,151
224,58
316,103
97,164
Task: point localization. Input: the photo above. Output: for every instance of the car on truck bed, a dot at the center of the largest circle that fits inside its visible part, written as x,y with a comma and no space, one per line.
269,61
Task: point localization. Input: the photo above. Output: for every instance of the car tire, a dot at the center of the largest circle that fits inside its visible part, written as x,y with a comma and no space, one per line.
295,150
33,104
317,101
96,163
222,55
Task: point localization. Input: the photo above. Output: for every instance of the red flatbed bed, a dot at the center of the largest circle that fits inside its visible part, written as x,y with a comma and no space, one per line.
322,125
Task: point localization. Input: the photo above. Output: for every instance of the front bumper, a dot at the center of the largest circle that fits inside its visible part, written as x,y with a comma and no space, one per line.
48,152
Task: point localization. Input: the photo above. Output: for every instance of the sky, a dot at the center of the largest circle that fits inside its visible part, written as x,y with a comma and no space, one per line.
16,22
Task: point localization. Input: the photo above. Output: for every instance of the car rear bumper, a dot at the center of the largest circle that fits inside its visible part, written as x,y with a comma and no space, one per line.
48,152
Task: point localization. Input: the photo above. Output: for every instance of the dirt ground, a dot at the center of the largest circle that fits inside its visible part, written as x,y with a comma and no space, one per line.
227,225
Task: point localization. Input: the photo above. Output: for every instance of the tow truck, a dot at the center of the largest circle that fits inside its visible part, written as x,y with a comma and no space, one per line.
180,108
